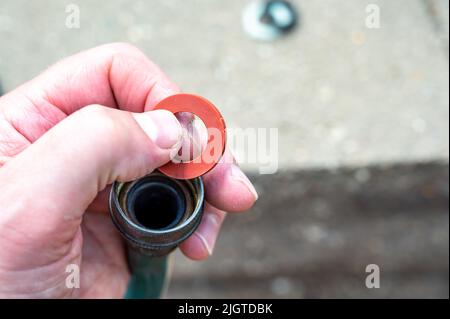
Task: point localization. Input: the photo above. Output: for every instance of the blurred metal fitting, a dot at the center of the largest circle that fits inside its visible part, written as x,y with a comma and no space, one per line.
156,213
269,19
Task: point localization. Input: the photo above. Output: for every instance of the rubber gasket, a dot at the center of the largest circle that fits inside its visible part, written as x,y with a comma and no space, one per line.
212,119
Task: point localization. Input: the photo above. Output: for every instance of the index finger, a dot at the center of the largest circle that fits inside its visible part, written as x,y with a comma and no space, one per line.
116,75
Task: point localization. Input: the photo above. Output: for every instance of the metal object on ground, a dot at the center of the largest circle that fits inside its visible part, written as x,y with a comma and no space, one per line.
268,20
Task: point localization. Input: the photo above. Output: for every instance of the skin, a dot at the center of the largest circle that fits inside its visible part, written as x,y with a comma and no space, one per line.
65,136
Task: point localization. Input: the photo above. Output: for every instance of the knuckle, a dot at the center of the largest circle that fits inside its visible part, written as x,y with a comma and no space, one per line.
124,49
99,118
95,110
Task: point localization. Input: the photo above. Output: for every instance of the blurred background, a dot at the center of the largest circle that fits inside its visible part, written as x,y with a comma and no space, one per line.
362,115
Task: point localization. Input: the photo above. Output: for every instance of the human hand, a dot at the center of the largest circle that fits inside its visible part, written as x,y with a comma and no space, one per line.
64,137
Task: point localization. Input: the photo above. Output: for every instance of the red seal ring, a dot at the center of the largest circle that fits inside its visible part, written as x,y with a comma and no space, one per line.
215,125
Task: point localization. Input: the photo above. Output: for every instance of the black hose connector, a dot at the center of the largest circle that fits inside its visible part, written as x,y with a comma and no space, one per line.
156,213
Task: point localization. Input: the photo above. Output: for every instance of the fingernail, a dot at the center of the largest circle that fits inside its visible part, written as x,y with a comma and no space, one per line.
239,176
162,128
204,242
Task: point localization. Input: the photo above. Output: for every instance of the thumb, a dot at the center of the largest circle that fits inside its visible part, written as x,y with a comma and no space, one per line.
45,190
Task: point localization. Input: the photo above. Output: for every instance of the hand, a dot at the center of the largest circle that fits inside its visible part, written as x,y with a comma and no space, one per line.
64,137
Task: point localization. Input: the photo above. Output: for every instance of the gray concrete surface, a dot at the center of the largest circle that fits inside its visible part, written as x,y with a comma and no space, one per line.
340,93
356,110
314,238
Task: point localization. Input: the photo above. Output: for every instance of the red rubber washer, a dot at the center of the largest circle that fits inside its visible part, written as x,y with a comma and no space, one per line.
212,119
